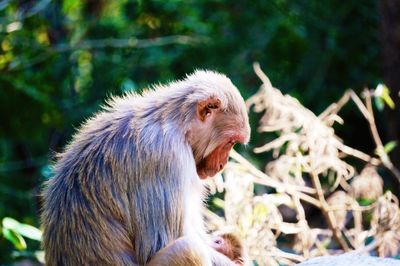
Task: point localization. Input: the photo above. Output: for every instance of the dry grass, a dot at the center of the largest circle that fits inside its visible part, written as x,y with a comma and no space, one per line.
309,166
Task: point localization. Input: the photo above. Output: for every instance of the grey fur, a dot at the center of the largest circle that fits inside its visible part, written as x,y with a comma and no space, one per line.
121,187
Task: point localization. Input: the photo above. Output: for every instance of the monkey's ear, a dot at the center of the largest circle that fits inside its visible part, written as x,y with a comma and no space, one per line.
207,107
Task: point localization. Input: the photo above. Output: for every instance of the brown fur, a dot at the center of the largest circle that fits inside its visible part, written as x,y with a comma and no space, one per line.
229,245
178,253
128,183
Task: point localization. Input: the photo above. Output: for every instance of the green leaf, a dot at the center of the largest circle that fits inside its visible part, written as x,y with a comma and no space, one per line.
383,92
40,256
390,146
260,210
218,203
379,103
15,238
280,198
9,222
25,230
388,100
365,202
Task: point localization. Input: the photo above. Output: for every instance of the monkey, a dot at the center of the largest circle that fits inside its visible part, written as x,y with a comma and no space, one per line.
128,188
178,253
229,245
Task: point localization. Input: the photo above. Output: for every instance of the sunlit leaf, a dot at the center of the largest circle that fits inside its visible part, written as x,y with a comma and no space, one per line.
23,229
218,203
39,255
10,223
388,100
390,146
325,243
365,202
259,212
15,238
280,198
382,92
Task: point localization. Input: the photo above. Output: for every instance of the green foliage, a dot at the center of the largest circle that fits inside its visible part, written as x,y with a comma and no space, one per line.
15,238
389,146
382,97
15,232
59,60
25,230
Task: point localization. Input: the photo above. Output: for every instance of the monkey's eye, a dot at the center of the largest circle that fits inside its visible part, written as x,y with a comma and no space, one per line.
212,106
218,241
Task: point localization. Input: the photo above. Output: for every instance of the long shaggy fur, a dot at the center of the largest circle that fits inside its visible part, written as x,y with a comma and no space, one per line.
126,185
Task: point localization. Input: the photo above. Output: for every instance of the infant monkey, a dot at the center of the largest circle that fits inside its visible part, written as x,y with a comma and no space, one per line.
229,245
178,253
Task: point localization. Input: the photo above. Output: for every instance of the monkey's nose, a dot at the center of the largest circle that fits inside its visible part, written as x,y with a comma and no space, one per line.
221,166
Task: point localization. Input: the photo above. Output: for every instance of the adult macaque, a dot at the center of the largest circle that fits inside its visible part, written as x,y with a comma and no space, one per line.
128,185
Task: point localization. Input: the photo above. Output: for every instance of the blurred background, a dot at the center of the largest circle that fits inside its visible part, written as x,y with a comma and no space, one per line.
60,60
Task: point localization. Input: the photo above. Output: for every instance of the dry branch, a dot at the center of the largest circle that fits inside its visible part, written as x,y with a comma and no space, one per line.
305,150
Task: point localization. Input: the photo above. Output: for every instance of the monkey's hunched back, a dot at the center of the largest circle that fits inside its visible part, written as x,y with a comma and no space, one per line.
116,196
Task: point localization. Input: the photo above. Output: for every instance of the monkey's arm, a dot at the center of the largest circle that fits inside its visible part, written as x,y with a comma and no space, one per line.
178,253
187,251
218,259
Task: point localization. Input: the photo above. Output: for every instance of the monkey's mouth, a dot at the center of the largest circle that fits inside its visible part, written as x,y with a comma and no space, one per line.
200,168
204,170
202,175
205,173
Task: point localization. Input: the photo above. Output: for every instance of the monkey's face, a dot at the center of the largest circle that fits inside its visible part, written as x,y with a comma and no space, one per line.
215,161
229,245
219,244
216,132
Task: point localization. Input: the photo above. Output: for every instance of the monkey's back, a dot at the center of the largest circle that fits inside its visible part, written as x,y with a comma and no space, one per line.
99,207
